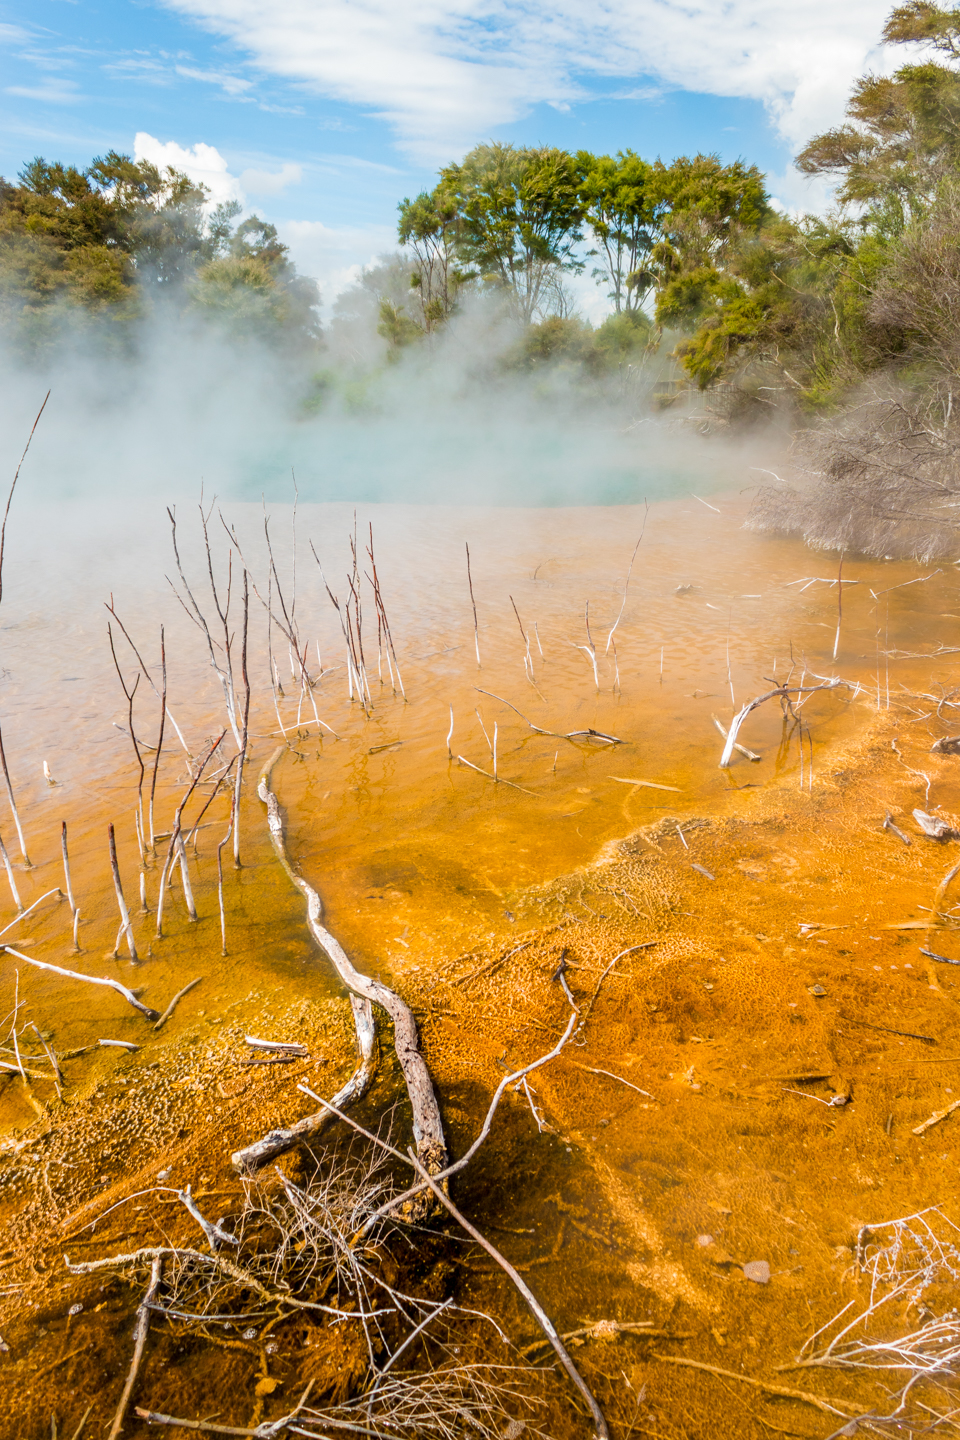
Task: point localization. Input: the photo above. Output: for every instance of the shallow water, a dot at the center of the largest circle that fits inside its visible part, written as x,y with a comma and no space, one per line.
423,862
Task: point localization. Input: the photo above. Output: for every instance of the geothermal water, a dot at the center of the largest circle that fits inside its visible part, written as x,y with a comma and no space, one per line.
422,861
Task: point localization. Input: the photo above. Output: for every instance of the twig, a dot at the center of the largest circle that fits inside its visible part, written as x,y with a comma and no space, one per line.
66,866
45,896
782,1390
264,1430
536,1309
936,1118
10,880
215,1235
895,830
626,585
498,780
476,628
747,754
139,1344
124,912
128,995
175,1002
594,1071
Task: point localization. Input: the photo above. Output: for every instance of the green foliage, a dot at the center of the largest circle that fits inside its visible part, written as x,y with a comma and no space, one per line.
903,134
623,208
431,227
106,242
520,216
397,328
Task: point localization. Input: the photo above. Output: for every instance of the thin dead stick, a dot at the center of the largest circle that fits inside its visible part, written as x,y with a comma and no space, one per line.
626,586
450,735
83,1420
162,1020
13,805
139,1345
163,721
527,661
476,628
6,513
785,1393
244,737
175,834
592,1070
3,541
66,865
149,678
936,1118
124,912
495,778
589,734
9,869
836,643
25,913
589,649
266,1429
215,1235
533,1304
76,931
129,696
128,995
742,749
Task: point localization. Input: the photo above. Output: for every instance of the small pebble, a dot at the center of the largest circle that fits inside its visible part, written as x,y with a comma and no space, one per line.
758,1271
816,990
75,1309
704,1240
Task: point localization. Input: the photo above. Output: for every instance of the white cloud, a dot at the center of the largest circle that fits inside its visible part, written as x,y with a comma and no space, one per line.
232,85
203,163
444,73
49,92
268,182
335,255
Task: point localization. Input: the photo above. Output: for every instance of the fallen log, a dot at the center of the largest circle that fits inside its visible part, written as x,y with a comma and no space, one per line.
427,1124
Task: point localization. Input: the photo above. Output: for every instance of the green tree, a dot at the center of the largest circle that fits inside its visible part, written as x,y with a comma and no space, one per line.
251,286
902,136
623,212
430,228
521,216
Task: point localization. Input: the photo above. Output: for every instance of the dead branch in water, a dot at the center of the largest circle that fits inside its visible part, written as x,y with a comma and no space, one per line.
66,865
783,692
476,628
427,1124
139,1345
121,903
128,995
175,848
277,1142
3,541
589,734
10,879
129,696
175,1002
626,585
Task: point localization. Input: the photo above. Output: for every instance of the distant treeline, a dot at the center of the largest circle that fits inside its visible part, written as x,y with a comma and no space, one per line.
120,238
767,304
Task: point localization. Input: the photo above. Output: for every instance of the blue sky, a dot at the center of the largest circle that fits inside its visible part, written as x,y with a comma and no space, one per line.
322,114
